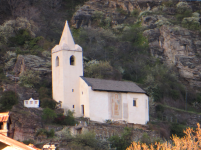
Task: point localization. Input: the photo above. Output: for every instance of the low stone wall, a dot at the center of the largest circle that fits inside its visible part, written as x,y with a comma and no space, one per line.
104,131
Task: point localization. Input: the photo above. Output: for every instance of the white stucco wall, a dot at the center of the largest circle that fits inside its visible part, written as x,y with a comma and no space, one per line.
98,104
71,81
65,79
57,77
137,114
84,98
99,109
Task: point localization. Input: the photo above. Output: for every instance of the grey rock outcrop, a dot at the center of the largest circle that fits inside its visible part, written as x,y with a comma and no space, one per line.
180,47
85,14
25,123
32,62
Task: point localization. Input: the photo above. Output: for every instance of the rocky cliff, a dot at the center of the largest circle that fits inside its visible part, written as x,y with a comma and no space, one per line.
174,45
177,47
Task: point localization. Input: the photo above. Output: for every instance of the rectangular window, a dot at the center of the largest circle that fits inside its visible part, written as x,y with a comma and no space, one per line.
26,102
31,102
134,102
36,102
72,90
73,106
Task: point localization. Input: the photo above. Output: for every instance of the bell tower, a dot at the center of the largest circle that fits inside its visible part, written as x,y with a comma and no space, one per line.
67,67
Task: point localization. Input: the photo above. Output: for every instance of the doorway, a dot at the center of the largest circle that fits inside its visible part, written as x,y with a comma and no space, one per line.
82,107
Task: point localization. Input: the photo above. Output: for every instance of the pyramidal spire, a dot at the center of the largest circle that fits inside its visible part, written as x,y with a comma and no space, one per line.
66,40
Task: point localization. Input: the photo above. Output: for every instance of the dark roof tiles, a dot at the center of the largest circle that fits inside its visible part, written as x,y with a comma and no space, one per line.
112,85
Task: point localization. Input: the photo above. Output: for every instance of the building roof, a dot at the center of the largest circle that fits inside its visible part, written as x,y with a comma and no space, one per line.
66,41
67,38
112,85
11,142
31,99
4,116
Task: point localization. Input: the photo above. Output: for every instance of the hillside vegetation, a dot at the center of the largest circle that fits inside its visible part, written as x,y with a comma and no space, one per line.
155,44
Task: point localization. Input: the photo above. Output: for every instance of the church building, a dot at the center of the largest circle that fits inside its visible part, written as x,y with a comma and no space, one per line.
97,99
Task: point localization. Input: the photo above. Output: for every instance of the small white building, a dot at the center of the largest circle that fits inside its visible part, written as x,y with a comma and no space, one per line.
31,103
97,99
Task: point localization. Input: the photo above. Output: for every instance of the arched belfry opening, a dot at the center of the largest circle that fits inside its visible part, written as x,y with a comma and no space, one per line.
72,60
57,61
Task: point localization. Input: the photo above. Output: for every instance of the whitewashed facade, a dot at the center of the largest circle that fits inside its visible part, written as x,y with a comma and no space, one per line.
31,103
96,99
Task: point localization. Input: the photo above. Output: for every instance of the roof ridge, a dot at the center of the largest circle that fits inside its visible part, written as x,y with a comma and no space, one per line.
109,79
112,85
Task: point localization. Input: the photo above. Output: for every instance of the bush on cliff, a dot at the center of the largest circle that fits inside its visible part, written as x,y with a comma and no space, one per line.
191,23
65,120
86,139
7,100
44,132
30,78
48,103
120,143
48,115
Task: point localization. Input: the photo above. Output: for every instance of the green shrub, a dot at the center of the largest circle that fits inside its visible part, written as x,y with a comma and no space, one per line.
159,108
135,13
186,13
21,36
97,15
66,120
48,115
8,99
183,7
162,22
168,3
10,63
46,133
27,142
86,139
177,129
157,94
198,97
33,43
105,23
99,69
191,23
44,92
121,143
121,11
196,14
145,139
19,29
2,75
135,36
174,94
48,103
30,78
20,51
163,82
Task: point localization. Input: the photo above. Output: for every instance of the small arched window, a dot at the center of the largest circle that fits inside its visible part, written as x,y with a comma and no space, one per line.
57,61
72,60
